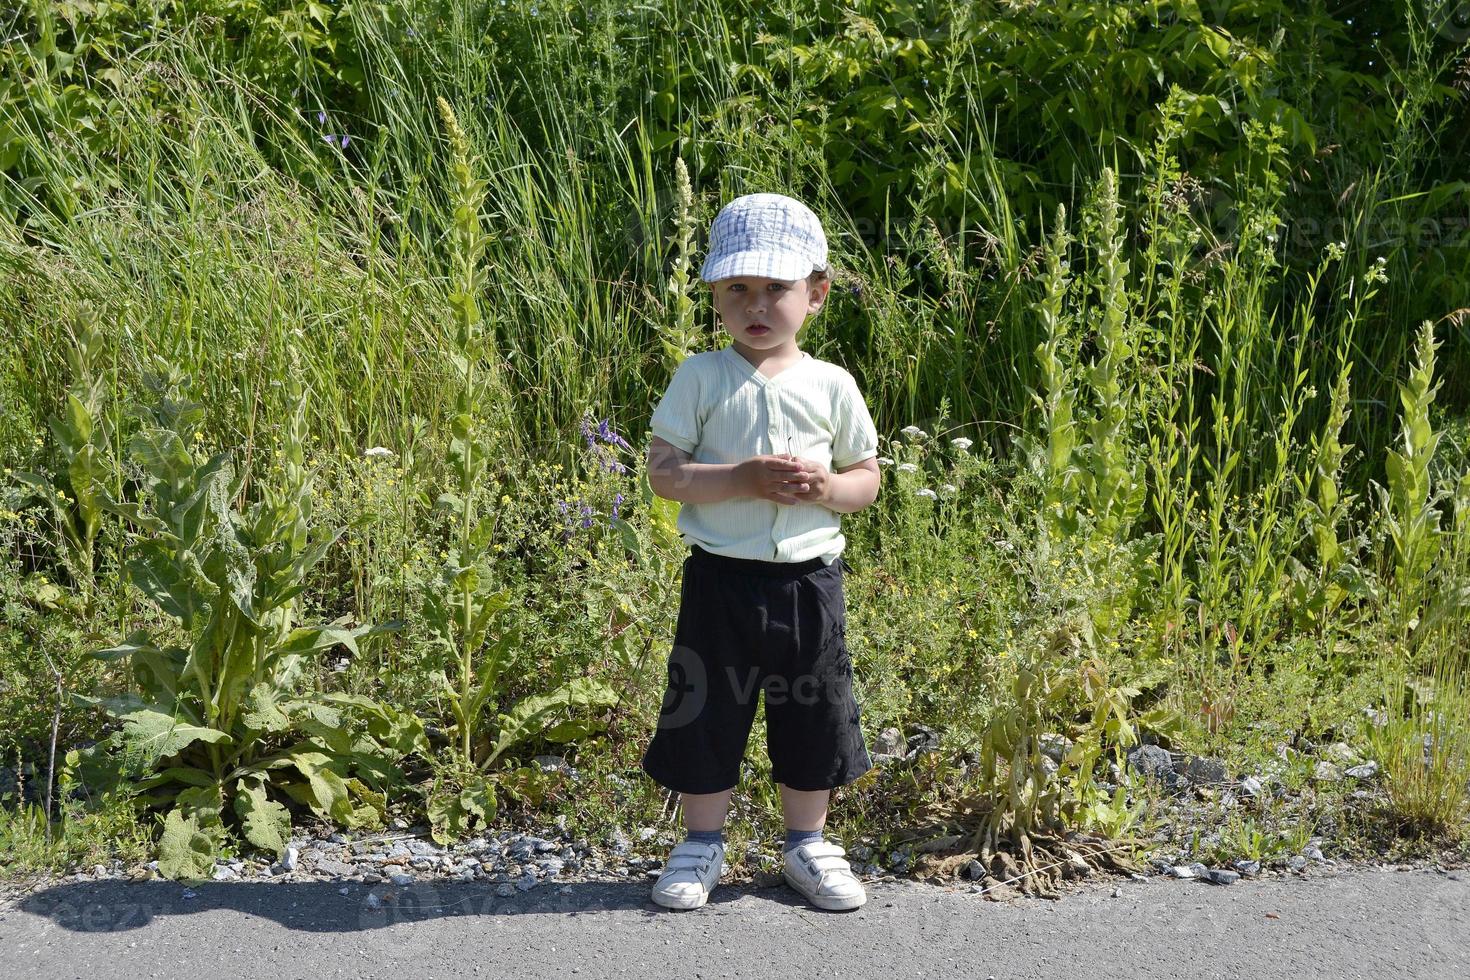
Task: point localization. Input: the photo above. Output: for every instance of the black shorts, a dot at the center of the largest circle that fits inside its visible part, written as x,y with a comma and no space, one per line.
747,628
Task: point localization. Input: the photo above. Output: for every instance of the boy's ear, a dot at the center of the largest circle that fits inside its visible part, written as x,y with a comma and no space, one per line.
818,295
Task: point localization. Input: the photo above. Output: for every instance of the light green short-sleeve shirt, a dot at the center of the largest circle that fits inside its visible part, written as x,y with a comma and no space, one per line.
720,409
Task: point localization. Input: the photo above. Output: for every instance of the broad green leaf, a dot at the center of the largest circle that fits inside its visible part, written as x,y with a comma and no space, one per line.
153,571
315,553
375,766
185,853
489,668
187,775
137,642
191,516
263,712
205,803
323,723
527,784
534,714
450,810
161,453
373,805
629,536
327,791
448,818
312,639
573,729
198,663
311,709
397,733
440,681
162,735
266,823
117,705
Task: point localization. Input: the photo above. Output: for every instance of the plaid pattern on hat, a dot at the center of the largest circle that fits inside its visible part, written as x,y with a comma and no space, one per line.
767,235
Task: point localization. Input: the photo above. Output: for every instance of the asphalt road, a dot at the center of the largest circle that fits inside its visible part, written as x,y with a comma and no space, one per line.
1344,924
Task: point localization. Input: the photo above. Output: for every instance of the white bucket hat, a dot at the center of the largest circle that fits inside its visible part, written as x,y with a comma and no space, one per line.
767,235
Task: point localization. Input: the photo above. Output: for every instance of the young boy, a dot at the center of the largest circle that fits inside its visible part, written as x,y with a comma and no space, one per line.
766,447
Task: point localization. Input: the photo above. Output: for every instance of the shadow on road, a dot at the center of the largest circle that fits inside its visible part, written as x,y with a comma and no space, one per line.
349,906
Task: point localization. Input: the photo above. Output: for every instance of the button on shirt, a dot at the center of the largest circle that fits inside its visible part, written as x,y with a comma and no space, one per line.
720,409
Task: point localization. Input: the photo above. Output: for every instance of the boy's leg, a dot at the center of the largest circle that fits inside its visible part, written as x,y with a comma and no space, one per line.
705,812
814,732
814,737
804,810
712,689
694,867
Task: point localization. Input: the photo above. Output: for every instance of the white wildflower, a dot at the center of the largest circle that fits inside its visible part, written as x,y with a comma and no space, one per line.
914,432
948,488
884,461
907,468
378,452
961,443
926,492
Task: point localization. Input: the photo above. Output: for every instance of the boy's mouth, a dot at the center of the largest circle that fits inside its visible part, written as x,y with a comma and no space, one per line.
757,329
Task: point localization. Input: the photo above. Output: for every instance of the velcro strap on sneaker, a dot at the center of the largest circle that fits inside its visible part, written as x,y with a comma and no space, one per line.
698,864
828,863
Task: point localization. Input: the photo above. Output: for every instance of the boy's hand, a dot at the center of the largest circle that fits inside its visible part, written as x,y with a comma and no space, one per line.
782,478
818,481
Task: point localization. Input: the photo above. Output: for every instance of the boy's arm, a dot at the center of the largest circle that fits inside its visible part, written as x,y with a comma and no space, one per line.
853,487
673,474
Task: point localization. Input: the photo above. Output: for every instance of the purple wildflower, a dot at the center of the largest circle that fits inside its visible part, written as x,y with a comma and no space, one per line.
607,461
606,433
330,138
321,118
345,138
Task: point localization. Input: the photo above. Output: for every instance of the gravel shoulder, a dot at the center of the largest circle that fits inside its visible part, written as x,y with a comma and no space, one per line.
1341,922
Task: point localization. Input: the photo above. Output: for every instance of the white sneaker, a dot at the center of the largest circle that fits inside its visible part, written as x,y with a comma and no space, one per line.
692,872
819,871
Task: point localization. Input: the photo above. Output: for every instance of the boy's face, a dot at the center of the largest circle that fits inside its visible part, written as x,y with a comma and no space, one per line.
765,314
